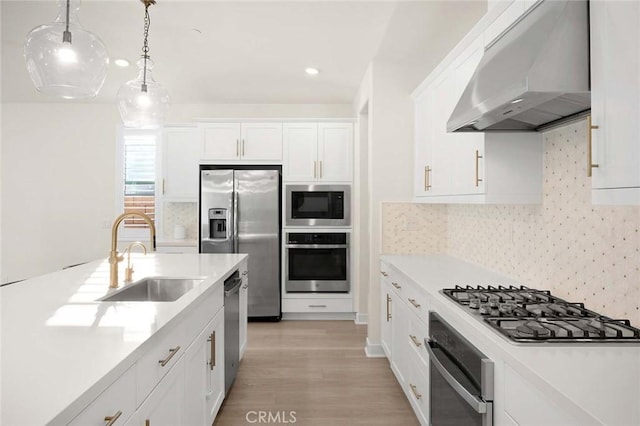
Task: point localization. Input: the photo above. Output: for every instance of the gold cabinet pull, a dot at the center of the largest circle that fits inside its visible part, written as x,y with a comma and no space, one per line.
388,308
162,186
415,341
427,180
172,352
414,303
414,389
317,306
320,169
112,419
212,339
147,422
237,147
315,168
478,157
384,274
243,147
590,164
396,285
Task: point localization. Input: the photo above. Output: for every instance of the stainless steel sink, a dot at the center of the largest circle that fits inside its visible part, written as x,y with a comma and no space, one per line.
153,289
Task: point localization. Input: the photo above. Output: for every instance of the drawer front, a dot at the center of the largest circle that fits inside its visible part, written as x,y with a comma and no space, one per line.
418,389
163,354
415,298
117,402
418,332
317,305
397,283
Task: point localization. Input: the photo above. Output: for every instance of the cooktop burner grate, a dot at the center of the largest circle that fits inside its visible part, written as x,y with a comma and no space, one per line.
529,315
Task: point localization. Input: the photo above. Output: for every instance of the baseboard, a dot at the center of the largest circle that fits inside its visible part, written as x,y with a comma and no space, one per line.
318,316
374,350
362,319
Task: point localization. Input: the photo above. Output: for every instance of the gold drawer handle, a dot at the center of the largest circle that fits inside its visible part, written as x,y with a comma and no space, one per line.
427,181
414,389
112,419
384,274
172,352
415,341
317,306
414,303
396,285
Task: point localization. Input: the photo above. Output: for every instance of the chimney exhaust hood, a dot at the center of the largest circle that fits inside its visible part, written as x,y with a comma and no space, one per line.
535,73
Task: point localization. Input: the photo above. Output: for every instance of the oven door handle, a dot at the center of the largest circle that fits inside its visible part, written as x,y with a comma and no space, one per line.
476,403
316,246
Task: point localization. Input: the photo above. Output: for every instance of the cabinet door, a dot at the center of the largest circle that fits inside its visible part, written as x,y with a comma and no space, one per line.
181,149
202,394
466,150
615,93
399,339
440,173
335,152
300,162
423,136
244,311
165,405
221,141
261,141
386,308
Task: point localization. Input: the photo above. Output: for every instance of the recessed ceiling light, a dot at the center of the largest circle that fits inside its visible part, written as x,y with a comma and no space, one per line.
516,101
311,71
123,63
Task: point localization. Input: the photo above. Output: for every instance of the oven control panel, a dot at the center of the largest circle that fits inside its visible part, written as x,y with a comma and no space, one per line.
329,238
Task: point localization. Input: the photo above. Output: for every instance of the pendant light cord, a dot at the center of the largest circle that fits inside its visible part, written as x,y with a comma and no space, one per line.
145,45
66,35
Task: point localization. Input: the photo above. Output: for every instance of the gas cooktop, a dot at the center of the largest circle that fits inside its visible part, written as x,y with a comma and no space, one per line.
527,315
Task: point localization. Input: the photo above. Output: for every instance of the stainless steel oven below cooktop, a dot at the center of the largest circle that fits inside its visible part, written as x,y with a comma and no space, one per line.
527,315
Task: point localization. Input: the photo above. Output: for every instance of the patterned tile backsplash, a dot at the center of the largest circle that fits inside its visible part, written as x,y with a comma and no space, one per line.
579,251
184,214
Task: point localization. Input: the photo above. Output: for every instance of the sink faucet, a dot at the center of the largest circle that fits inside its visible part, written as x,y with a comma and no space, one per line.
128,271
114,257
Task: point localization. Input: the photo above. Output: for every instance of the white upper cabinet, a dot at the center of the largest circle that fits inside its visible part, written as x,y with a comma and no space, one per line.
242,142
300,151
180,153
615,101
470,167
318,152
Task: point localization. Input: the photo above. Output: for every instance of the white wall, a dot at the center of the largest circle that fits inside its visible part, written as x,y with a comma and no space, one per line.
58,177
390,149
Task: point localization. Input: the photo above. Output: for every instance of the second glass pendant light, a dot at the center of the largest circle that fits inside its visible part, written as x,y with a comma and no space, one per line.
143,103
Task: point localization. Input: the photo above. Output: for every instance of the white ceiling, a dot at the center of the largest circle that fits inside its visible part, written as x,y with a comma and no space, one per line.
249,52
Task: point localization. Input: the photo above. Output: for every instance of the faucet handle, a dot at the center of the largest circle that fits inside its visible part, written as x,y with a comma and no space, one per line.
128,271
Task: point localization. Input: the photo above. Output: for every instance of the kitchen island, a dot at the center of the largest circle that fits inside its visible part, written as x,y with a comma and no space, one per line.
62,349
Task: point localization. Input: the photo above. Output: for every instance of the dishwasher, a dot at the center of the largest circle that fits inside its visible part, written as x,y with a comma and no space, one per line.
231,329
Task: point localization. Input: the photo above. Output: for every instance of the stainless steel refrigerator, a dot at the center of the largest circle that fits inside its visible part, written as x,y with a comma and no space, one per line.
240,213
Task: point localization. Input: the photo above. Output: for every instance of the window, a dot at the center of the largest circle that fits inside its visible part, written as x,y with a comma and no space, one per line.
137,180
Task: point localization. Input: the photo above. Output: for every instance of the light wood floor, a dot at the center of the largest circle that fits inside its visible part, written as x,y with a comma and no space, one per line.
317,369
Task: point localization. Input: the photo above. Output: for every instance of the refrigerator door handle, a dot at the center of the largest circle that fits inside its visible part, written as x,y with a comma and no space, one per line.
235,219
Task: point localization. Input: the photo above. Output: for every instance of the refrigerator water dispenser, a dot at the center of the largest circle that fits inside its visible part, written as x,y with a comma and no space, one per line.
218,220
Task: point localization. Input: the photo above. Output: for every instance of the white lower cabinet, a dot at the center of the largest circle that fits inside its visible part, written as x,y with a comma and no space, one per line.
204,374
386,309
399,338
418,389
317,305
165,404
526,405
117,403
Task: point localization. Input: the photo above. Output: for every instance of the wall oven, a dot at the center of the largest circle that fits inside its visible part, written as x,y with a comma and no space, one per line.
317,262
461,378
318,205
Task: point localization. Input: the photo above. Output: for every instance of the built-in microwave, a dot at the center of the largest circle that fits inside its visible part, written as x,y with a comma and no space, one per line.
318,205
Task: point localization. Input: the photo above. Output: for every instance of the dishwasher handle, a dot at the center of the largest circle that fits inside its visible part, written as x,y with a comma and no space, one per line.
478,404
236,287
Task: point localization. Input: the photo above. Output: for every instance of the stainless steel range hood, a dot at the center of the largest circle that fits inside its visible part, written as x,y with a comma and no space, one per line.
535,73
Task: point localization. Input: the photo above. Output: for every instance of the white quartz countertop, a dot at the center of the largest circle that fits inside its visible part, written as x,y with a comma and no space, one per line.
597,383
60,348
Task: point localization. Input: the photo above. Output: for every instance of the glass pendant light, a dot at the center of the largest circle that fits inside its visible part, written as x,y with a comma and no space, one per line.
64,59
143,103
